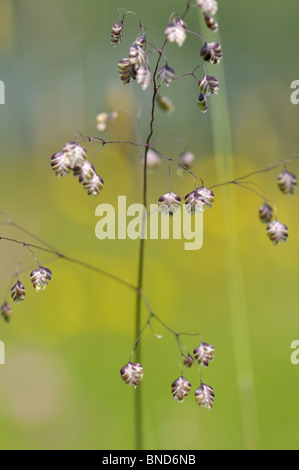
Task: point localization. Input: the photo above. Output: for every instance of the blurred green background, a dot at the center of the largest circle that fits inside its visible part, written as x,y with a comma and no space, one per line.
60,387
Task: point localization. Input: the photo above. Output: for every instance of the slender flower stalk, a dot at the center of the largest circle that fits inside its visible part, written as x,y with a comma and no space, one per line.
138,397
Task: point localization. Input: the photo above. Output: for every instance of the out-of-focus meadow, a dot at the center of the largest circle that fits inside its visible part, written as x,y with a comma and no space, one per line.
60,387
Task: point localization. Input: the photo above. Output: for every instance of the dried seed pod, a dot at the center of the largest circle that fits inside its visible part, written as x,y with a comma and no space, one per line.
195,203
187,158
188,361
211,22
40,278
180,389
204,396
202,103
85,173
165,104
169,203
6,312
59,164
136,55
126,70
208,6
176,32
103,120
211,52
132,373
94,186
266,213
18,292
207,195
277,232
204,354
74,155
165,75
143,77
209,85
287,182
152,160
117,33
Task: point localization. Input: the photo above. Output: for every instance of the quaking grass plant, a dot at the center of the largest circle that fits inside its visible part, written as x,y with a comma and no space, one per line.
148,66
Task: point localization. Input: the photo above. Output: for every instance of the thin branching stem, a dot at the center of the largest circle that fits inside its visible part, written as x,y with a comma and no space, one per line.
138,396
79,262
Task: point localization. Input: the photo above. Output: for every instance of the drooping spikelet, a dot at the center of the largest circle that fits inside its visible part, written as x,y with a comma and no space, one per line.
165,103
211,52
140,41
94,186
165,75
187,158
143,77
211,22
85,173
176,32
40,278
74,155
126,70
277,232
59,164
202,103
180,389
18,292
266,213
287,182
204,396
188,361
132,373
208,6
207,195
136,56
204,354
195,203
6,311
152,160
169,203
209,85
117,33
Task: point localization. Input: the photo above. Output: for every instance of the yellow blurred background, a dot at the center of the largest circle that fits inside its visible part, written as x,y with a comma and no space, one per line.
60,387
